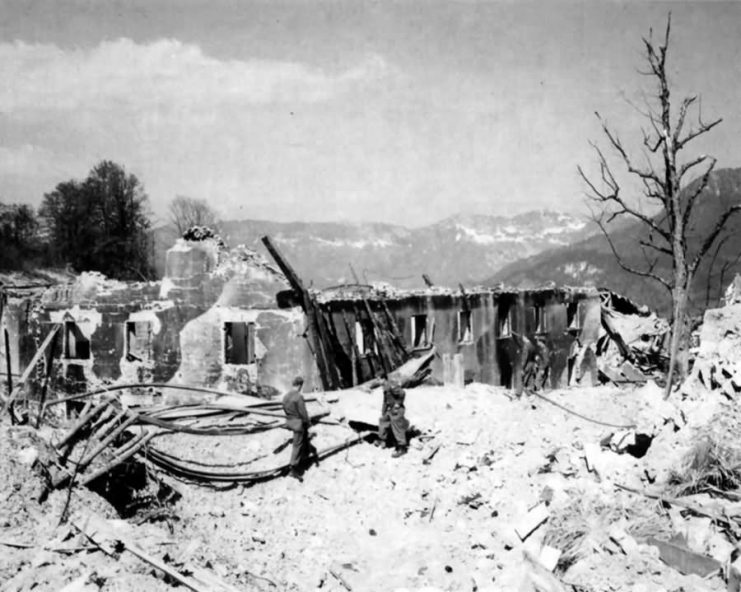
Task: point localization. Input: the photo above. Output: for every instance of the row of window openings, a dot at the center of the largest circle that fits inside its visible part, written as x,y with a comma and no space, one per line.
538,319
239,337
239,342
420,332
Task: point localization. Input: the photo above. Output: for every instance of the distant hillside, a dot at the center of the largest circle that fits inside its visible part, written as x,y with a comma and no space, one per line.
458,249
590,261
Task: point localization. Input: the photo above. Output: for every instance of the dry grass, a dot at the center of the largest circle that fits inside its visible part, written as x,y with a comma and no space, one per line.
710,465
714,462
582,527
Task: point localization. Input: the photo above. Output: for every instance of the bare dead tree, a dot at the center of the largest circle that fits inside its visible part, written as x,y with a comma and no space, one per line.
661,175
185,212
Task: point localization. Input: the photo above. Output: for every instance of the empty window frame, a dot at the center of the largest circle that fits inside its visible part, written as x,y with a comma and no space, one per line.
76,345
573,315
239,343
364,337
504,319
541,320
138,341
465,330
420,337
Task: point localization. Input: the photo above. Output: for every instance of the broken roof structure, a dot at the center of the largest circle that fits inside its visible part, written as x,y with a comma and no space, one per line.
232,321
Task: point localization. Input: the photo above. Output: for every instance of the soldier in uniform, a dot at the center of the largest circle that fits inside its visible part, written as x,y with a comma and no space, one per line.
392,416
298,421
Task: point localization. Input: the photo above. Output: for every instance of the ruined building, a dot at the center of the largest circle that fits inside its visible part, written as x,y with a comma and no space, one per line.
230,320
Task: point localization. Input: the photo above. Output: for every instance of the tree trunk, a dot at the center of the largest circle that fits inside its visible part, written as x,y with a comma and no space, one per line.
679,325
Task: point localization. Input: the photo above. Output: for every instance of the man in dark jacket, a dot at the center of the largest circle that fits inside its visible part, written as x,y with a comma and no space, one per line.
297,420
392,416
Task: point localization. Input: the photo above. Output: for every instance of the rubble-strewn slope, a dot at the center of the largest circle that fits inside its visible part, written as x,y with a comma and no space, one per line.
444,515
482,472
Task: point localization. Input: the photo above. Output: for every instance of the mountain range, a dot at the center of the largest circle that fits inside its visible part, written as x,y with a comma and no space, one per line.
590,261
524,251
461,249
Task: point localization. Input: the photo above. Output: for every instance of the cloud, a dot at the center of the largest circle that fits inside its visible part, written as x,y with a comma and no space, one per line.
165,74
183,121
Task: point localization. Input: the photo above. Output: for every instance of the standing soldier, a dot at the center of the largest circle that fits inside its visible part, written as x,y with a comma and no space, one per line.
297,420
392,416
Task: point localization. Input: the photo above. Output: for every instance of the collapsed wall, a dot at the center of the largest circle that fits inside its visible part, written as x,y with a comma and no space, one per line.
212,321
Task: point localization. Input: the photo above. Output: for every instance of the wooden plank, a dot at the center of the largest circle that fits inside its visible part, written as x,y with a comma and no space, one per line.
386,362
325,341
615,336
333,342
7,362
395,329
31,366
108,439
47,377
122,454
396,355
355,352
85,417
317,331
103,536
288,271
683,559
368,356
532,520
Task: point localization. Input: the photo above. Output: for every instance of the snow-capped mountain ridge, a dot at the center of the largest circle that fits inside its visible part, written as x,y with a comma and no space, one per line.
461,249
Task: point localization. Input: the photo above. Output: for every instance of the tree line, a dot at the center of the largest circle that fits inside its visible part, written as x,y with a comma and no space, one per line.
102,223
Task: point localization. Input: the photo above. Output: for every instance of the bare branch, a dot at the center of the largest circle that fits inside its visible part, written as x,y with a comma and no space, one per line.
702,129
691,199
612,196
693,163
643,273
686,103
617,144
708,242
651,245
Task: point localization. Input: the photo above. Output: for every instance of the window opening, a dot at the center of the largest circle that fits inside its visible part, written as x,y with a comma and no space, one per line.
465,332
419,331
138,340
541,320
239,343
76,345
504,328
573,315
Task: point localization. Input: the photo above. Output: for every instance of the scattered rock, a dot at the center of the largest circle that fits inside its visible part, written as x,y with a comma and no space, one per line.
28,456
534,518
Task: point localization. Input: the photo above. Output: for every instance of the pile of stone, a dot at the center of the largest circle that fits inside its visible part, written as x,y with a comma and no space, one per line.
718,357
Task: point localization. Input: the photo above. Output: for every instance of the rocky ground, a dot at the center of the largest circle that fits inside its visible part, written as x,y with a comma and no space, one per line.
450,515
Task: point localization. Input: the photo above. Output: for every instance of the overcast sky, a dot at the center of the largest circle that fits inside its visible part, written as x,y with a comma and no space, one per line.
403,112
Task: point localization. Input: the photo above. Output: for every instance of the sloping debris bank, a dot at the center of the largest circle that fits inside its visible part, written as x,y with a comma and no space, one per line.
134,459
592,489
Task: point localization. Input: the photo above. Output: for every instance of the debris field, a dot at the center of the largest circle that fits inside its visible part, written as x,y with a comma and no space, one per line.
600,488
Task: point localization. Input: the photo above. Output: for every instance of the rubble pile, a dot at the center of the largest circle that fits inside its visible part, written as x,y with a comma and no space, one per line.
631,346
494,494
718,358
204,233
40,549
598,489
